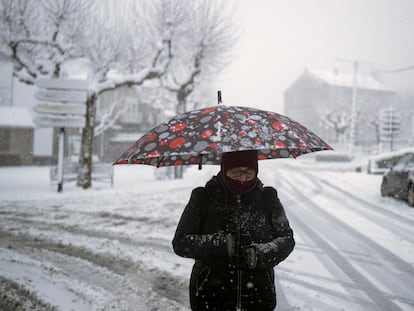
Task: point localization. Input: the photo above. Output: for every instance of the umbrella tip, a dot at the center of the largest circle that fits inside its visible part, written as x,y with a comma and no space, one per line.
219,97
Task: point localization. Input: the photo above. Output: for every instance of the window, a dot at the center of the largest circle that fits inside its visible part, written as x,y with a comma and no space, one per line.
402,163
410,164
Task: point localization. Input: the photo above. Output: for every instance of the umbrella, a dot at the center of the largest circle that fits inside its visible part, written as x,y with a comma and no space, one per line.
200,137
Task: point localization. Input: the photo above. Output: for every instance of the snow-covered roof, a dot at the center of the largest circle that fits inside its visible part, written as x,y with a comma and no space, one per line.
387,155
364,81
16,117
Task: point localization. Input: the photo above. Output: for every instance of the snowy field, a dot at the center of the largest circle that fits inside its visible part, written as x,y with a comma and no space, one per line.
109,248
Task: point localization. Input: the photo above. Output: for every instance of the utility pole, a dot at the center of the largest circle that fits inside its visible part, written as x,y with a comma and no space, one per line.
353,126
352,138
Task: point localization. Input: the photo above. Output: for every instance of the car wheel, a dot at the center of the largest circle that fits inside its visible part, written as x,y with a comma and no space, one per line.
384,188
410,197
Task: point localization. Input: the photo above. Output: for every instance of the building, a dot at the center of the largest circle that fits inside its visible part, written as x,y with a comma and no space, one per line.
137,115
16,136
323,100
24,143
16,125
6,81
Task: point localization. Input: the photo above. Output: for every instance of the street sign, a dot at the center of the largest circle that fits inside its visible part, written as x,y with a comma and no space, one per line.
390,124
48,120
58,108
63,105
61,95
62,84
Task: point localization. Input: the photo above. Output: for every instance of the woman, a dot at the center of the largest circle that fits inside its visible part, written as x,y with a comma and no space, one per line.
237,231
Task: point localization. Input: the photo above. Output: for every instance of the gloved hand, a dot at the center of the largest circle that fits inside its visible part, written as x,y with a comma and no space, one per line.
223,242
248,257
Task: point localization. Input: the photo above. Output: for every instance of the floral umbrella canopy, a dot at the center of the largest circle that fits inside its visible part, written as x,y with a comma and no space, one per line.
201,136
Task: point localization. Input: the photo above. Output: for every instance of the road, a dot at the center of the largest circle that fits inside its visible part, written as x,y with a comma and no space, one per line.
111,250
344,232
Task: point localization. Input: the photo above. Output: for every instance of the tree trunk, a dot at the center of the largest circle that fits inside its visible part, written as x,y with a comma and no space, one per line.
181,108
84,178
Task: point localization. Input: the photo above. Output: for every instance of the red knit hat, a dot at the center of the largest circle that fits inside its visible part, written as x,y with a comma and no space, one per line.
246,158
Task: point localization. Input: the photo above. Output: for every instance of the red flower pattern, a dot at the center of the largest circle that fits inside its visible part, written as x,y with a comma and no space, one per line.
203,134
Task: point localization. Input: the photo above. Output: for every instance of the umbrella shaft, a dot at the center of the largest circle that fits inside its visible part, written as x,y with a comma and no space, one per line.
239,289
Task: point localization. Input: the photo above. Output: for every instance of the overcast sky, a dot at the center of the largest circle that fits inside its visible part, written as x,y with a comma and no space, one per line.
279,38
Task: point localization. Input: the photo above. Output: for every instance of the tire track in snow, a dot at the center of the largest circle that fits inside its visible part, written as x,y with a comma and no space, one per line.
156,244
17,298
361,301
380,298
366,204
372,212
398,225
162,286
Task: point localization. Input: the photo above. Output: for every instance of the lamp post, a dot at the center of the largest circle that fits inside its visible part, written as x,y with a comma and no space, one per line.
352,138
353,125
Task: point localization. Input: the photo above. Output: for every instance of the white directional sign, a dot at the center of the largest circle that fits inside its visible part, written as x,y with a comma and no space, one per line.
62,84
58,108
61,95
46,120
390,124
62,103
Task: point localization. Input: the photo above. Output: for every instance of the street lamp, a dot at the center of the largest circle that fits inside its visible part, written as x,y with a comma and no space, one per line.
352,134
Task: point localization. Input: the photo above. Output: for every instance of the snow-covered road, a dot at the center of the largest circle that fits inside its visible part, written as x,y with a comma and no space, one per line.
110,248
364,249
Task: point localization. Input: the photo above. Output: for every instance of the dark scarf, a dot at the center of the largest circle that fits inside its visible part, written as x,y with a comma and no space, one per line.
238,187
230,160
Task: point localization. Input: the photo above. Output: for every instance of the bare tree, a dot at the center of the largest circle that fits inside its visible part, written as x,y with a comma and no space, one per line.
106,59
374,123
39,35
340,122
203,48
108,110
163,36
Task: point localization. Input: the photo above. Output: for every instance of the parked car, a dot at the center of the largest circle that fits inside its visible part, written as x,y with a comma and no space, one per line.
398,181
380,163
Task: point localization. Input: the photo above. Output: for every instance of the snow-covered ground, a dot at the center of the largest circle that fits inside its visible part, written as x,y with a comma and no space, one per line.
109,248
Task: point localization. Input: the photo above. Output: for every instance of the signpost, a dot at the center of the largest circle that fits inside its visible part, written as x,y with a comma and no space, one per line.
61,96
62,105
50,108
390,125
50,120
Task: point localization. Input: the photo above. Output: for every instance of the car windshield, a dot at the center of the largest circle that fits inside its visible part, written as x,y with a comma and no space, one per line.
403,162
410,164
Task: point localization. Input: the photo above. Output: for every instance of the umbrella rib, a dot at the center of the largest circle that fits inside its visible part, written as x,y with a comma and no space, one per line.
219,130
218,124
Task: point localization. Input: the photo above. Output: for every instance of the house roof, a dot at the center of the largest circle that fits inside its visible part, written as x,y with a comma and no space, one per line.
342,79
16,117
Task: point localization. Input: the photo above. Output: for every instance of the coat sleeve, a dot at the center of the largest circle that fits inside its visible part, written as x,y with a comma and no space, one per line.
188,240
271,253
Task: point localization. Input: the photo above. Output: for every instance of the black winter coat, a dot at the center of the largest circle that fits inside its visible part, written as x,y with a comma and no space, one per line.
256,218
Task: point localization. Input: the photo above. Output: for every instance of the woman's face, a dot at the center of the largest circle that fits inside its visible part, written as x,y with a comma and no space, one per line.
241,174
